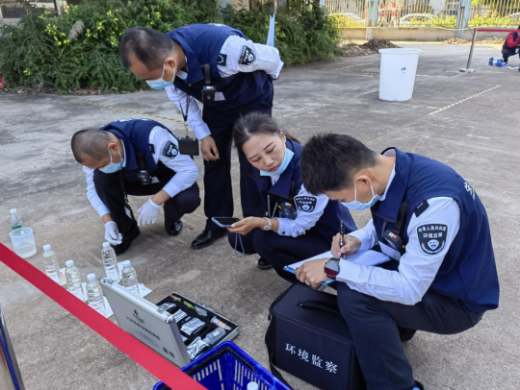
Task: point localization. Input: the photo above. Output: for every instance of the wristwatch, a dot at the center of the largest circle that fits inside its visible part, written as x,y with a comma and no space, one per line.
332,268
269,225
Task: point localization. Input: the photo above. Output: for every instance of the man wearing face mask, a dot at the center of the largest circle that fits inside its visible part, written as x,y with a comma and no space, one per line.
426,218
231,76
137,157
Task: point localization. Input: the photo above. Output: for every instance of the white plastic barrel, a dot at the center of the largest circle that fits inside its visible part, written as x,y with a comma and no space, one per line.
397,77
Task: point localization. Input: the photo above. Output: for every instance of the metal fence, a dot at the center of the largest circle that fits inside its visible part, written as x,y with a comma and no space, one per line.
433,13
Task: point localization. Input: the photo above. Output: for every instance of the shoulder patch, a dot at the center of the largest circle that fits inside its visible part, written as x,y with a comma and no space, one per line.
152,148
432,237
421,208
305,203
170,150
222,59
247,56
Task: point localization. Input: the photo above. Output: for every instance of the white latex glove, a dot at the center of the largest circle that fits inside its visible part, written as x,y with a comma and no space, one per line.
148,213
112,234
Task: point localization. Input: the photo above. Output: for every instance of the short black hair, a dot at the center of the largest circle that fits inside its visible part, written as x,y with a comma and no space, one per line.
149,46
330,161
91,142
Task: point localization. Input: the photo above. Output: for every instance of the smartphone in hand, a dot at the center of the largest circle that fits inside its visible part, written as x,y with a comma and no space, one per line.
225,222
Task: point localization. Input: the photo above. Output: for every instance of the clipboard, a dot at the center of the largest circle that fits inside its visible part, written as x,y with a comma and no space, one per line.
368,258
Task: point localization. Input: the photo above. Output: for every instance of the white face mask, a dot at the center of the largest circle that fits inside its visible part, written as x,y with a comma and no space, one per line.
112,167
160,83
357,205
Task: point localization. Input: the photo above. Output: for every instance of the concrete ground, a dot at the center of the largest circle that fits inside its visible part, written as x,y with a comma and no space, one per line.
468,121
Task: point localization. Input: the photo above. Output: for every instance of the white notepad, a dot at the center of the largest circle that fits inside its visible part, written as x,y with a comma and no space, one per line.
368,258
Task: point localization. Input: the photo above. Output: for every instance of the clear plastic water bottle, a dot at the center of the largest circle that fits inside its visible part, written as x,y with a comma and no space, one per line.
95,294
212,337
129,278
50,264
16,220
73,277
108,254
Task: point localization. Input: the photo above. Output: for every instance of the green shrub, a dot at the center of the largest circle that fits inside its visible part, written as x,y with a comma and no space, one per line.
302,33
63,54
343,21
493,20
447,22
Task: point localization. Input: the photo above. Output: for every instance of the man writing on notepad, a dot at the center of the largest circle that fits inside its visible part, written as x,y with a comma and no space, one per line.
427,218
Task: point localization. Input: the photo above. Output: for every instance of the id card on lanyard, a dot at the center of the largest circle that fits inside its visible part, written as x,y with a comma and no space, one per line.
187,145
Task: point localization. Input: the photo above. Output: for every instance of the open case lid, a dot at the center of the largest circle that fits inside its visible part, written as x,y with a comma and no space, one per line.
145,321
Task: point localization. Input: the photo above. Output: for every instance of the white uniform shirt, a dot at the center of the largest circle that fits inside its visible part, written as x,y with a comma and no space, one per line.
304,220
417,269
186,170
267,58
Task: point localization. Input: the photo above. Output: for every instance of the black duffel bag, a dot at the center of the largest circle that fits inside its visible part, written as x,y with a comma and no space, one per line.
308,338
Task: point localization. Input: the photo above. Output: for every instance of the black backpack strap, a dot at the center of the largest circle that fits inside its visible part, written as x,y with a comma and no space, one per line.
401,218
140,161
207,74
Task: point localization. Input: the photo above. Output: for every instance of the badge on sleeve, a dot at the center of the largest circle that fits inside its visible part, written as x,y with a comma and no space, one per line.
247,56
432,238
170,150
221,59
305,203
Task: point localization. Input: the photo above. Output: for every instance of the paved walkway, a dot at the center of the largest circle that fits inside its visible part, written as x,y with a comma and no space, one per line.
469,121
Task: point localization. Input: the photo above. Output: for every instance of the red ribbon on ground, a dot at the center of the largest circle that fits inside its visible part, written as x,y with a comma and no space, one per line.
151,361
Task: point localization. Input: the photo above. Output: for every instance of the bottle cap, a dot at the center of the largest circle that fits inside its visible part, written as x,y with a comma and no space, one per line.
252,386
69,263
14,211
91,277
106,245
127,263
47,247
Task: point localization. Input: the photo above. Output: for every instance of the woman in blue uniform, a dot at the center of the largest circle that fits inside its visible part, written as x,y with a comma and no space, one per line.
296,224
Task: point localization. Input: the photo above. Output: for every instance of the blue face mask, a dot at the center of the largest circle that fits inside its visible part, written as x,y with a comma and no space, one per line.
160,83
357,205
112,167
286,160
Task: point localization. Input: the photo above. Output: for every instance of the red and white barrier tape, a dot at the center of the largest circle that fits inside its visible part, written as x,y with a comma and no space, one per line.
151,361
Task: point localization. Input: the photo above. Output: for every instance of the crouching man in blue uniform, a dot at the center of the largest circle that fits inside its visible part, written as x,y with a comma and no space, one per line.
425,217
137,157
237,75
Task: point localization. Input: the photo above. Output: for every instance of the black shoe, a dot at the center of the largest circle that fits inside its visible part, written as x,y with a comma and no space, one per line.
406,334
207,237
263,264
128,237
173,228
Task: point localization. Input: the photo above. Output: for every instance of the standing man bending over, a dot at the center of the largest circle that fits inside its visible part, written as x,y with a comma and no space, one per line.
237,75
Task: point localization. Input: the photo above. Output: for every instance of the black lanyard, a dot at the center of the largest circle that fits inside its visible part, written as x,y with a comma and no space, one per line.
184,114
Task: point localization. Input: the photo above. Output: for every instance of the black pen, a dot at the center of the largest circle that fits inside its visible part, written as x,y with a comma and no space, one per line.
341,242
